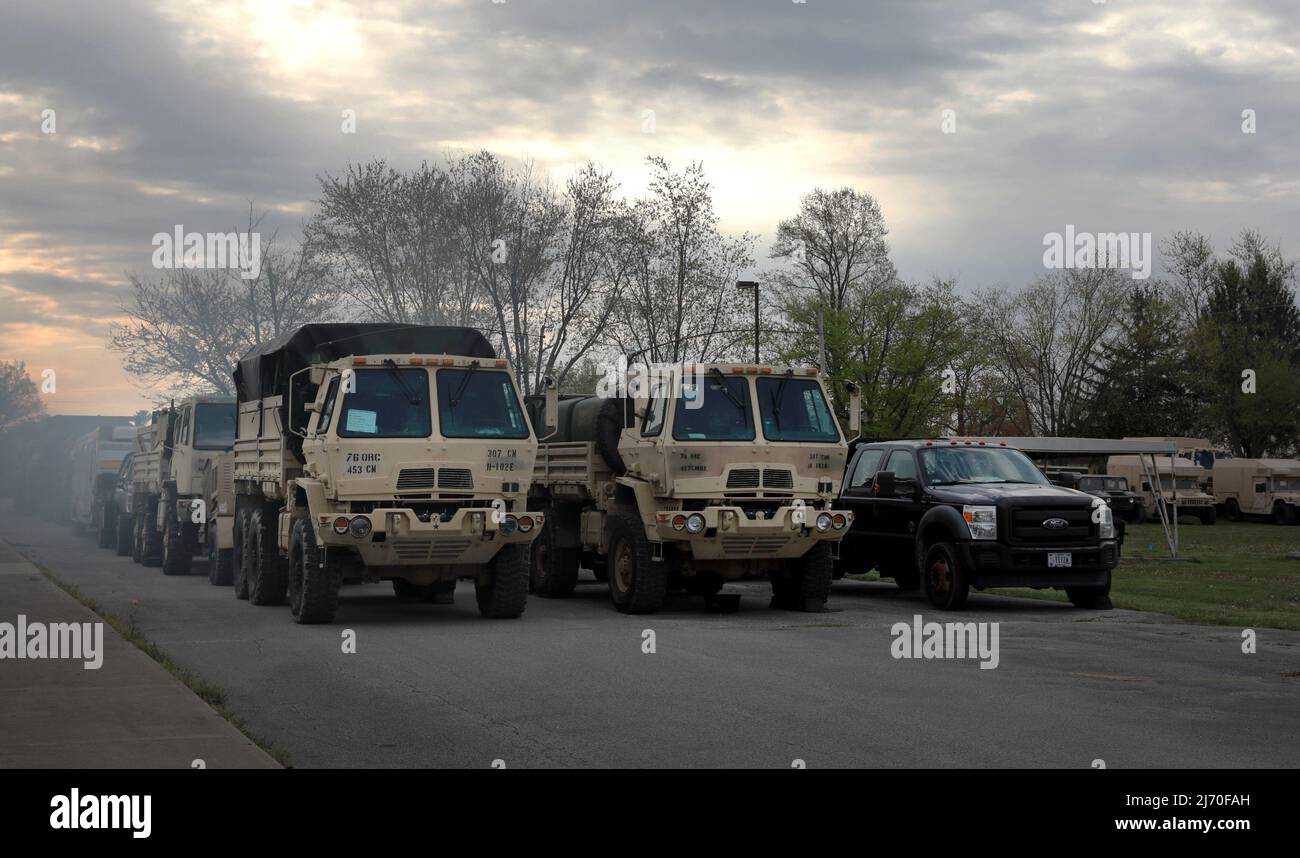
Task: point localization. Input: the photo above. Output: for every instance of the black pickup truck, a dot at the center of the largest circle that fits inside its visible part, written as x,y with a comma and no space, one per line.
947,515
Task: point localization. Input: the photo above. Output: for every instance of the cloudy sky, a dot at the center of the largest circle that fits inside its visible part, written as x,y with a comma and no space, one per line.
1112,116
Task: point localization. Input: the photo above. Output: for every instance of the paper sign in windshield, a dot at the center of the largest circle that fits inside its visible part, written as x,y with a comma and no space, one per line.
364,422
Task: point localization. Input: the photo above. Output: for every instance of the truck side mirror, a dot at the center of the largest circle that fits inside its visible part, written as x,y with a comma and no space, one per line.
855,409
311,407
884,486
551,419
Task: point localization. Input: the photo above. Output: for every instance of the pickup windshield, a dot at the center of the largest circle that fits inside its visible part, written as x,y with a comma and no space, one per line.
716,409
794,409
478,403
946,466
214,426
1103,484
387,403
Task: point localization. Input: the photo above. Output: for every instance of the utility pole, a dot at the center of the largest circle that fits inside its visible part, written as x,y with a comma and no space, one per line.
745,285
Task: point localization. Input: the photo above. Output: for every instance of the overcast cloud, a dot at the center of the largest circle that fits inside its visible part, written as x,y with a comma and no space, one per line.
1115,116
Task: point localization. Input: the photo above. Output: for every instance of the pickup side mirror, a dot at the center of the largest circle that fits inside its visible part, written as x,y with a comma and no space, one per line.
884,486
551,419
855,409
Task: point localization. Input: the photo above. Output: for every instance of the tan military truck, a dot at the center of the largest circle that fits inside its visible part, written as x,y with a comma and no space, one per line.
370,452
96,459
1258,487
175,450
1179,486
690,476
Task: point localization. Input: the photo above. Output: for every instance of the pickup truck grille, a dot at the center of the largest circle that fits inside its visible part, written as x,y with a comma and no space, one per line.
1027,525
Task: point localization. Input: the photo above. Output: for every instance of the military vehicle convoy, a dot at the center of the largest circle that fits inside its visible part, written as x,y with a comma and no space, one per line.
96,458
370,452
698,475
1179,483
1258,487
174,451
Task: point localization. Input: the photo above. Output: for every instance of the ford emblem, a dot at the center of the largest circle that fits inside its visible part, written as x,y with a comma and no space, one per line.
1055,523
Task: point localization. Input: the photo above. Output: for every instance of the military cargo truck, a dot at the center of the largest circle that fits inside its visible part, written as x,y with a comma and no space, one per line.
369,452
96,458
175,449
1179,486
1258,487
701,474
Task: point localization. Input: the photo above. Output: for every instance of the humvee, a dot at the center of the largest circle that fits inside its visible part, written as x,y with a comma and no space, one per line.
96,459
1258,487
369,452
1126,503
694,475
175,450
1180,484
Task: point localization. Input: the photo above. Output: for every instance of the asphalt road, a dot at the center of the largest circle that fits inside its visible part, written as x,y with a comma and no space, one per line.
569,685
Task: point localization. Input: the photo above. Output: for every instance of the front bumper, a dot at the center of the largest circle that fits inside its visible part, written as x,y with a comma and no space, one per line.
993,564
399,537
729,534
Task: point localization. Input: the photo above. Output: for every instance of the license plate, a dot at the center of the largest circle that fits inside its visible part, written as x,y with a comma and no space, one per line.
1059,561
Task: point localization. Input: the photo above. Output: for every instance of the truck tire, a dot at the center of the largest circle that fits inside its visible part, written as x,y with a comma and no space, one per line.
804,583
137,538
506,594
268,574
1209,515
124,543
106,528
221,561
243,551
178,546
944,581
554,571
637,584
1232,510
1091,598
151,543
1284,513
313,589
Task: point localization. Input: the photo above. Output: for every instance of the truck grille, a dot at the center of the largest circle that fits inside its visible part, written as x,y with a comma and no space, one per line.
777,478
1027,525
455,478
415,478
743,478
752,546
431,550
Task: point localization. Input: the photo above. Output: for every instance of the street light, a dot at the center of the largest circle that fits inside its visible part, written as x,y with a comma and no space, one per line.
752,284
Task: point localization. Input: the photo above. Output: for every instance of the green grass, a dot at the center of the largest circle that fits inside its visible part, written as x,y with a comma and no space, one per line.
212,695
1229,574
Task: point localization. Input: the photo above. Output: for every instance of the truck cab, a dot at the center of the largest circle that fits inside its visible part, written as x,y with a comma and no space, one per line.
1266,488
949,515
1180,486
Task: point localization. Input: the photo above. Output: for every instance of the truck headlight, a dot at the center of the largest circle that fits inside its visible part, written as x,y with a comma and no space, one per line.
360,527
982,521
824,522
509,525
695,523
1105,519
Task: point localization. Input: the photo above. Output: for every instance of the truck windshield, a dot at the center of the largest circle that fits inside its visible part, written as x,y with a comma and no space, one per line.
716,409
477,403
1184,484
794,409
946,466
214,426
387,403
1103,484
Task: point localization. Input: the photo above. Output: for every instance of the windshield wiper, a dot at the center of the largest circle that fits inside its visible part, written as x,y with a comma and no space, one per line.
722,384
460,391
411,396
778,396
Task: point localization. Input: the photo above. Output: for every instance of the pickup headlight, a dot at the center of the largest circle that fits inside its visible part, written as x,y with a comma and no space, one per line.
1105,519
982,521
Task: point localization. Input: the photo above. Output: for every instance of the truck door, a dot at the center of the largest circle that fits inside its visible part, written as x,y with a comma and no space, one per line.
898,515
856,496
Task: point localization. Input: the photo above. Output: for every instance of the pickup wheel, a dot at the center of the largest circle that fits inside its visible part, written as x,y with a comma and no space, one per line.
637,584
125,542
804,583
243,558
505,596
178,546
313,587
1091,598
945,582
268,577
554,571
